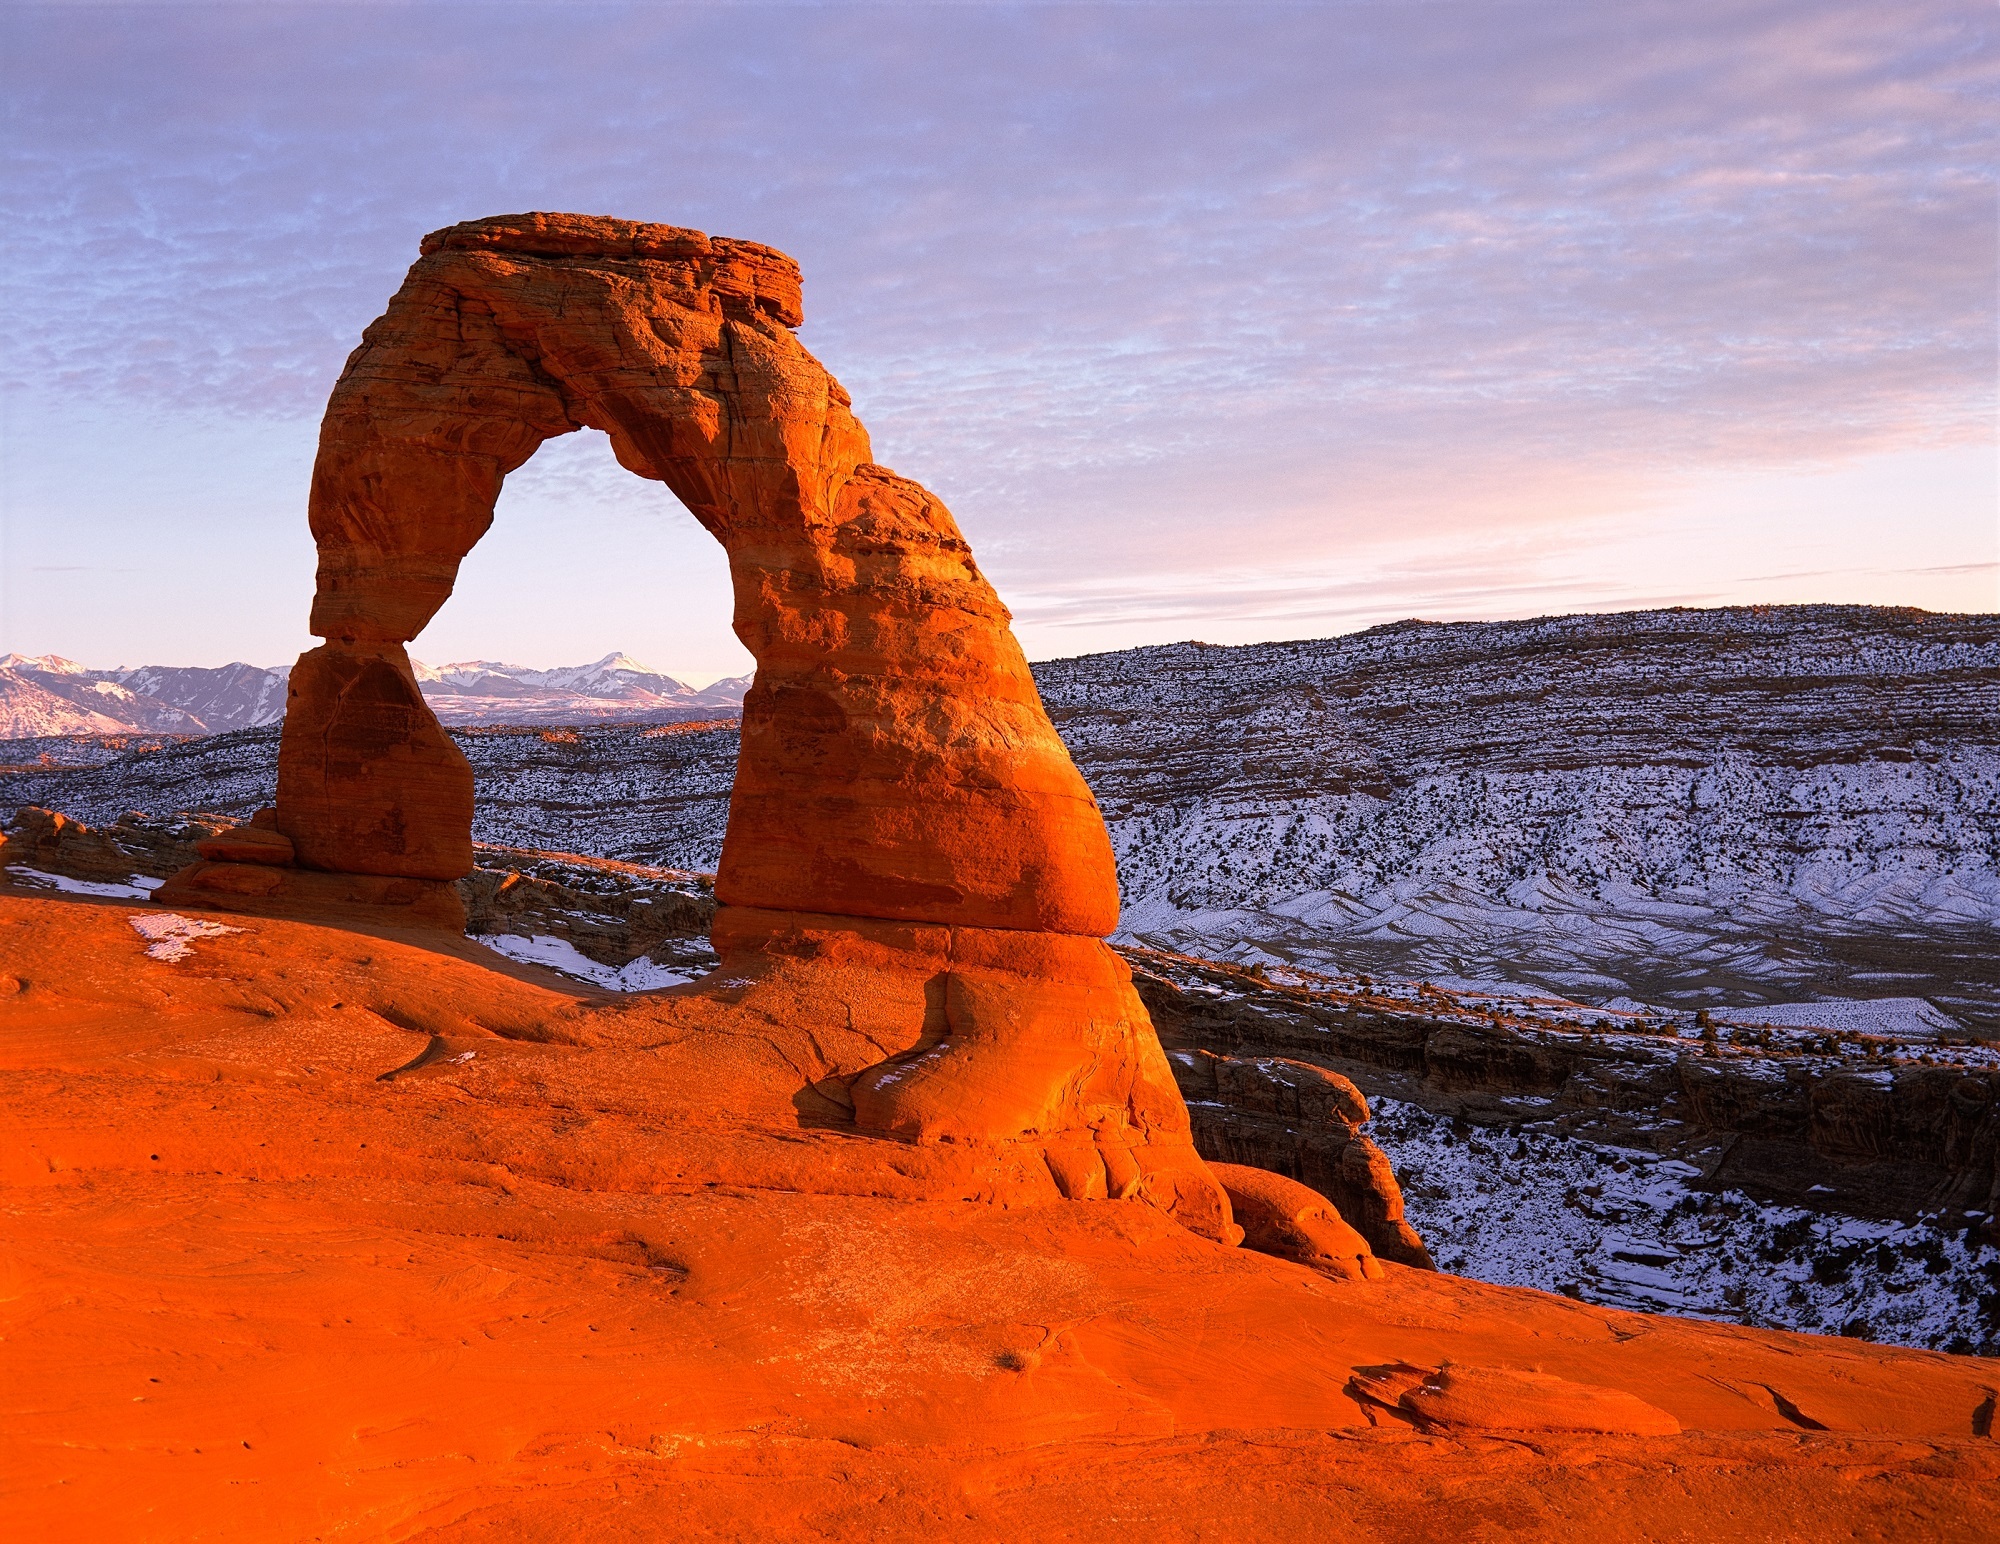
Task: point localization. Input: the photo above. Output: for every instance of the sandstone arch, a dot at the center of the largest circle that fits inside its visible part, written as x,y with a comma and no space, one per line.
910,850
896,760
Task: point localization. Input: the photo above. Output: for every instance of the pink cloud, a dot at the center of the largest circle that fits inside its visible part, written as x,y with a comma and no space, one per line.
1121,282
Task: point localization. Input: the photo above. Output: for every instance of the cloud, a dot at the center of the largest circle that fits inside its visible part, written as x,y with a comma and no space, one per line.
1123,283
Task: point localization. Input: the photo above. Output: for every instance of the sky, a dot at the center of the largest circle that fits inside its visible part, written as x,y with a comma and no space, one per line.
1231,322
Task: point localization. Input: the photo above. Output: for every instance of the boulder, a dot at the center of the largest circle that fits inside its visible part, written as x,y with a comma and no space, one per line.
1280,1216
1302,1120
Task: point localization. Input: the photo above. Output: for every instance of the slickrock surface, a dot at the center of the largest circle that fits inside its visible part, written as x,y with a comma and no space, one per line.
317,1232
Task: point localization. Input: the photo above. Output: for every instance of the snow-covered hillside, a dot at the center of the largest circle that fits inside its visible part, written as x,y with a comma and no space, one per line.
1695,808
655,795
1789,818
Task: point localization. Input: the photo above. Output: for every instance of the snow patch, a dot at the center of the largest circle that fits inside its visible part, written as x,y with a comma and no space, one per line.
1899,1018
559,954
137,890
169,935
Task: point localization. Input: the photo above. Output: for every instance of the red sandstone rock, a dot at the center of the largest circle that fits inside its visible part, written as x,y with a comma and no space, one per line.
50,840
1301,1101
1371,1179
371,899
897,766
896,759
247,844
1282,1217
995,1037
368,780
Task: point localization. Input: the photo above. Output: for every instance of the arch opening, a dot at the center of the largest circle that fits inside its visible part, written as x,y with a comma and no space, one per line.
583,561
587,631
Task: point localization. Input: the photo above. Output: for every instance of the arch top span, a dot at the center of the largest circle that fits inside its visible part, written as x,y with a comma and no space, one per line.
761,276
511,330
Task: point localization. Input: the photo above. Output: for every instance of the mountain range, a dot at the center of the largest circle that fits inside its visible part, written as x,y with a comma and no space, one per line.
48,695
616,688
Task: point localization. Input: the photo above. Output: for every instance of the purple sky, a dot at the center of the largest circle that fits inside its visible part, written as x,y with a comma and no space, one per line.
1223,321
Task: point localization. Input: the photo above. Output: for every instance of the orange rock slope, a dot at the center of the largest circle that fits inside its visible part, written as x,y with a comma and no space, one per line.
319,1232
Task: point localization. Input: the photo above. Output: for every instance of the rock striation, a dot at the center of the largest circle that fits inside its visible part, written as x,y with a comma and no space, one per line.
909,844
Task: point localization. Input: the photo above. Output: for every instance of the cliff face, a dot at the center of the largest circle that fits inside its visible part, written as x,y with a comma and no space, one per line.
1886,1138
1756,1183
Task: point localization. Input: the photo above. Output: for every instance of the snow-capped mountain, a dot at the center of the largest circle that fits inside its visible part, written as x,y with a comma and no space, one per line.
43,664
48,695
237,696
98,701
614,688
29,709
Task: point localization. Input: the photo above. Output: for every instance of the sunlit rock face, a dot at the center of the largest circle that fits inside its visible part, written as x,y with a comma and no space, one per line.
897,762
909,843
